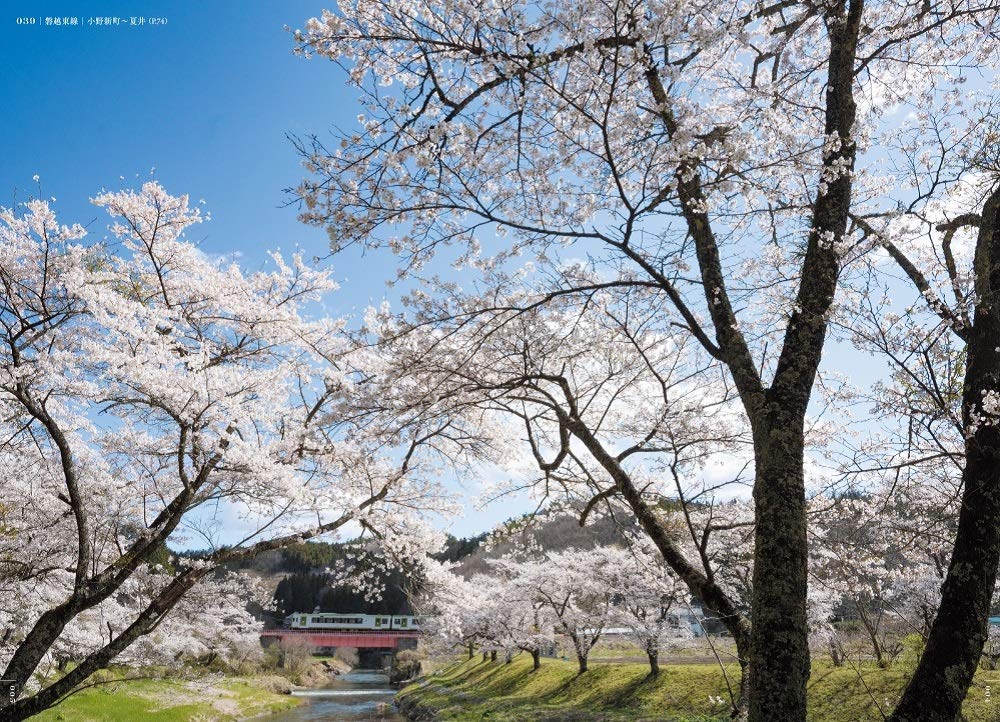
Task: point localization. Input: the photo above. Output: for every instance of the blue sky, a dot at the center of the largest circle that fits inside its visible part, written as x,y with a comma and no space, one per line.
206,100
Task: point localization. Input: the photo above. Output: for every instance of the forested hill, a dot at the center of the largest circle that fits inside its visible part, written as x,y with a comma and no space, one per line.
302,582
552,531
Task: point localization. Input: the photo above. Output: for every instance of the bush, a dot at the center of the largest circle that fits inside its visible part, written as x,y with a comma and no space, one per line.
295,656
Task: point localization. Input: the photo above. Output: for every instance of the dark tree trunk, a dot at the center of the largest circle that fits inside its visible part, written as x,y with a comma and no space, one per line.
472,650
493,656
582,661
775,669
39,640
536,659
486,656
48,627
654,661
942,678
779,637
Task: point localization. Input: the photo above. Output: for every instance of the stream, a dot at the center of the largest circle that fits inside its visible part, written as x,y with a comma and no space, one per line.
353,697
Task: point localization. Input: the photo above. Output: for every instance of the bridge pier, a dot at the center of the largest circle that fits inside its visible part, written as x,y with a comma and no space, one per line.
376,650
375,658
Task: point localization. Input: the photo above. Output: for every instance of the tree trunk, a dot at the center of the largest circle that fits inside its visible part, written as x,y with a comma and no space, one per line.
872,631
654,660
835,653
942,678
582,660
32,649
471,651
780,634
536,659
486,656
493,656
779,639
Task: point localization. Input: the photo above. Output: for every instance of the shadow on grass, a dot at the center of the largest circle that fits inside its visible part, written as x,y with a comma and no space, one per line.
860,692
631,694
497,680
590,688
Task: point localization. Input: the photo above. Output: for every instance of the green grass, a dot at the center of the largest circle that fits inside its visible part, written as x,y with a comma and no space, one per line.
167,700
477,690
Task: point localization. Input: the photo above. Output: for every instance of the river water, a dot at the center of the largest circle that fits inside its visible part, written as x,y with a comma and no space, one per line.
357,696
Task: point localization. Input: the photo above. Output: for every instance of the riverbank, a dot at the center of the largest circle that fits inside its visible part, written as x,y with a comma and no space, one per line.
212,698
476,690
206,698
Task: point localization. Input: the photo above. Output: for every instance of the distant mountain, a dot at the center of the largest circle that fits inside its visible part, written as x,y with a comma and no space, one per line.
552,531
302,581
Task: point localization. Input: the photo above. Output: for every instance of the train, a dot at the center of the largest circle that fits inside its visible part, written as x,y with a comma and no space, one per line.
338,620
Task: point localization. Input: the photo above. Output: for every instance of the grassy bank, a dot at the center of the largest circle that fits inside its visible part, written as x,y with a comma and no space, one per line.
477,690
173,700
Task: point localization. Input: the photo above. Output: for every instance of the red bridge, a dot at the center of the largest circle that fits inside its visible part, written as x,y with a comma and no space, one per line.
359,639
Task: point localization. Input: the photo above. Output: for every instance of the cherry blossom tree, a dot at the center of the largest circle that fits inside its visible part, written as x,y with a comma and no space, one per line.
570,586
718,156
860,561
452,606
521,622
650,601
642,428
942,339
821,604
210,622
529,595
151,391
